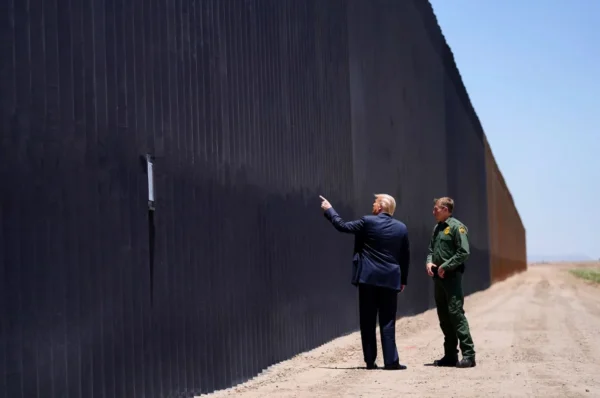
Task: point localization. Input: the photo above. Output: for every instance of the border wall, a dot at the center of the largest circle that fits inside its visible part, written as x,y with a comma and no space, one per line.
508,252
250,110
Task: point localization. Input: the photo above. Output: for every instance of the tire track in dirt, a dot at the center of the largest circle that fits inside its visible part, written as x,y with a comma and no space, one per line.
530,336
582,354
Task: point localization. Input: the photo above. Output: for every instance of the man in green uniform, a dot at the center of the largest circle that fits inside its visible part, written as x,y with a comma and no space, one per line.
448,251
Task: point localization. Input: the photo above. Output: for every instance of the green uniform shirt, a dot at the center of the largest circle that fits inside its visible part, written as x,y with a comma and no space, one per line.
449,245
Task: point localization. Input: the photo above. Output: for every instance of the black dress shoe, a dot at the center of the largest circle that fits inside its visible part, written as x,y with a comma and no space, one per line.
466,363
371,366
394,366
446,362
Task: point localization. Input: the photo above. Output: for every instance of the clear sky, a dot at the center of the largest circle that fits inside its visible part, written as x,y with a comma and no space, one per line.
532,71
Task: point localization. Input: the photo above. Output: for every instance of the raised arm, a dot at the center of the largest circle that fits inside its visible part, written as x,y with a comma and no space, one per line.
350,227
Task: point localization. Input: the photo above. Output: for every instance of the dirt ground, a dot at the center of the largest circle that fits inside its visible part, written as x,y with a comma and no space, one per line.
536,334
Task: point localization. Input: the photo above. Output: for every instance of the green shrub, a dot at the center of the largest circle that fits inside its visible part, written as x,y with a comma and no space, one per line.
589,274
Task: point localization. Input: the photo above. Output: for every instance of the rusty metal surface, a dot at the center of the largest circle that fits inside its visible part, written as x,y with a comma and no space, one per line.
250,109
508,244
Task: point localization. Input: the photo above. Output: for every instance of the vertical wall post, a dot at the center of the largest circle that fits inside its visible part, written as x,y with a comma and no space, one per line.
150,172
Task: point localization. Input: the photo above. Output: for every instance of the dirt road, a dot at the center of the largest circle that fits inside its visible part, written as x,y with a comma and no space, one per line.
536,334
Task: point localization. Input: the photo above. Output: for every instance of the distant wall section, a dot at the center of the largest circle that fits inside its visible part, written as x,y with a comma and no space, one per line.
508,253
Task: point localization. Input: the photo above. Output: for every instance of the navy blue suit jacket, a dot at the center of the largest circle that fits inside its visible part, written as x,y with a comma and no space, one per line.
381,249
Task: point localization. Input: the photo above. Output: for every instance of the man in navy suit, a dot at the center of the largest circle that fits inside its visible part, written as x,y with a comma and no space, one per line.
381,259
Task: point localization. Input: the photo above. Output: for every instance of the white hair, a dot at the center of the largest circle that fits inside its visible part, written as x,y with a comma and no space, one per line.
388,203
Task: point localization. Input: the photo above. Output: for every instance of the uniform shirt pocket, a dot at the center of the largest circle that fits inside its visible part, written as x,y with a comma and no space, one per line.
446,242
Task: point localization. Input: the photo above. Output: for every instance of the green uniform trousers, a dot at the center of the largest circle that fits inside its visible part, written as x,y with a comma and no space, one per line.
449,300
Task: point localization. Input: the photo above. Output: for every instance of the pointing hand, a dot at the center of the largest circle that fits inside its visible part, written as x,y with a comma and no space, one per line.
325,205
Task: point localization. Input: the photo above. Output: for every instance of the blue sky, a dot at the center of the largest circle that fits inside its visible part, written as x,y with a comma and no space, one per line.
532,71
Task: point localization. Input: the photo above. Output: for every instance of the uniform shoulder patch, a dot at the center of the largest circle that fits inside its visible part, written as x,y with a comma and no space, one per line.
462,229
447,231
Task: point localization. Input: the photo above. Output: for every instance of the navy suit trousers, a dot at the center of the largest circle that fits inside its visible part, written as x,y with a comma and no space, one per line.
374,301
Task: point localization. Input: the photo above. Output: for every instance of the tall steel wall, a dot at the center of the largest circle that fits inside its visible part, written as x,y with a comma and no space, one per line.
251,109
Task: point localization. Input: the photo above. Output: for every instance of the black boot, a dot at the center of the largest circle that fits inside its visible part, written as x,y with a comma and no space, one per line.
446,362
466,363
394,366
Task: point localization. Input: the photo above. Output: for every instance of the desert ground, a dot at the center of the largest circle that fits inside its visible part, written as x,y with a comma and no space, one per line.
537,334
